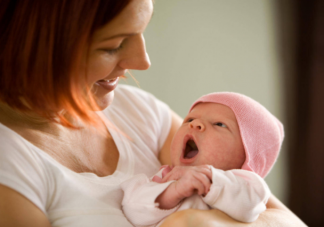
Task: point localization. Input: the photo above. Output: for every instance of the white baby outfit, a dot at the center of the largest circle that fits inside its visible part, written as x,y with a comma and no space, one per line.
239,193
71,199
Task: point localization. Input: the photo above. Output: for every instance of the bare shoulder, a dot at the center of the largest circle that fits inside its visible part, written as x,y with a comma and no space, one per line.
18,211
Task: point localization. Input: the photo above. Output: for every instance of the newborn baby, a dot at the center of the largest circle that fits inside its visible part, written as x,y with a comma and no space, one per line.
225,147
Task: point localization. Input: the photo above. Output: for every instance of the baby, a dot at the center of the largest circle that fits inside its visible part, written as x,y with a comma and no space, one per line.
225,147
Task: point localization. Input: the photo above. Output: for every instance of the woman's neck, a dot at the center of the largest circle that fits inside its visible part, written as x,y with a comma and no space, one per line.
16,119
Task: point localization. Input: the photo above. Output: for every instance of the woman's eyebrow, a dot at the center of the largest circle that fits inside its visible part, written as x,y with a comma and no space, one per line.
119,36
123,34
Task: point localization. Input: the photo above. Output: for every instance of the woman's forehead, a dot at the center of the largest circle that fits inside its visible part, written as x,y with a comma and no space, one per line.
133,19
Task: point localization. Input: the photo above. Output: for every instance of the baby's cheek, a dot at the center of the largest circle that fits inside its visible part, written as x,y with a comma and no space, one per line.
175,151
216,155
173,147
212,154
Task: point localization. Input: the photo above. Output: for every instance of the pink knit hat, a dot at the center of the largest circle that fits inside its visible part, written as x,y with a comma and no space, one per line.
262,133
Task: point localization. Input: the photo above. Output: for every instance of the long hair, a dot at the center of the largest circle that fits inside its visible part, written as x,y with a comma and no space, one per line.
43,44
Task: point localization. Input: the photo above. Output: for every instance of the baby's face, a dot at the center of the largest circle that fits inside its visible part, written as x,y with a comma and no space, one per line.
209,135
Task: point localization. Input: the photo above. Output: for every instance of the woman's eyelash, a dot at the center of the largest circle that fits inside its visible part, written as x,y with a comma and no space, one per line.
113,51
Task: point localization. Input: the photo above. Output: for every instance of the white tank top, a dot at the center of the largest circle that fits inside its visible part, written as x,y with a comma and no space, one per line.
71,199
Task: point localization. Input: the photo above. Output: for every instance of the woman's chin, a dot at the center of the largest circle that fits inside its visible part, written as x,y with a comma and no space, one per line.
103,92
104,101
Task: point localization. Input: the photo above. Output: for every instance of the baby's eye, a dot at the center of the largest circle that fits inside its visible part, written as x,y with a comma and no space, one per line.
220,124
188,120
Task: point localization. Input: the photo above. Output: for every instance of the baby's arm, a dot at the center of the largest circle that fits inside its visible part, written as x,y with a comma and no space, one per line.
146,203
239,193
189,180
139,198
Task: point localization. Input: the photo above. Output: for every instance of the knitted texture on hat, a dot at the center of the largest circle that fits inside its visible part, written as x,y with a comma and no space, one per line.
262,133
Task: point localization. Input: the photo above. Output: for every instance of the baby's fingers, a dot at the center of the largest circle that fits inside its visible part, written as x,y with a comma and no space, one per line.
187,187
166,170
205,169
173,174
157,179
205,181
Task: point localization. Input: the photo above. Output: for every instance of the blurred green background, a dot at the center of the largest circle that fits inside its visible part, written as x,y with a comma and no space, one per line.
198,47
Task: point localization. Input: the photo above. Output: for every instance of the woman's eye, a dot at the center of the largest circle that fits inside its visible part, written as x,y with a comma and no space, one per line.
221,124
113,51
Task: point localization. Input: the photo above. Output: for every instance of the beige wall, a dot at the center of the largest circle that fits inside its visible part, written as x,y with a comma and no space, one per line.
202,46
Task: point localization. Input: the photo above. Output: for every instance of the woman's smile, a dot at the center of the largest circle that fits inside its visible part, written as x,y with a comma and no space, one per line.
115,49
109,85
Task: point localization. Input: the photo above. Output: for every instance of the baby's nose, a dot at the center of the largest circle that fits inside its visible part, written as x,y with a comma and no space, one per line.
197,124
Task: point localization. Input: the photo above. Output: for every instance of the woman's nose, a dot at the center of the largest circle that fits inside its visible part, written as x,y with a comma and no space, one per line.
136,56
197,125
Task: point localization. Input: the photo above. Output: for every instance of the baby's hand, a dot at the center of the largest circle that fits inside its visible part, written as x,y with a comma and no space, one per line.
189,180
166,170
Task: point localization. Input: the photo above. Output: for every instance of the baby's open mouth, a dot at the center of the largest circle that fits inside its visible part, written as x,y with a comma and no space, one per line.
191,149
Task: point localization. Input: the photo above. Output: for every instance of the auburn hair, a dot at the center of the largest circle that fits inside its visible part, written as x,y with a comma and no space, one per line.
43,44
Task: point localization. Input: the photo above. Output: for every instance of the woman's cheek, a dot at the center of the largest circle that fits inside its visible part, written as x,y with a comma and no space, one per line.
99,69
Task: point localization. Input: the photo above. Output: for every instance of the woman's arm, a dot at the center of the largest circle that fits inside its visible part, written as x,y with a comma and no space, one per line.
164,155
276,215
16,210
275,206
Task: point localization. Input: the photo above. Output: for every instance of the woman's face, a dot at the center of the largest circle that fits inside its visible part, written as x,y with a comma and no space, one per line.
117,47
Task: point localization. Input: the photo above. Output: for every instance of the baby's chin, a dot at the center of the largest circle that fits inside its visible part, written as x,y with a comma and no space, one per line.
182,164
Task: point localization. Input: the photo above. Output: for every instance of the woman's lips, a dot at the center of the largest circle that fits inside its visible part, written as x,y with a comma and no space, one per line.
108,84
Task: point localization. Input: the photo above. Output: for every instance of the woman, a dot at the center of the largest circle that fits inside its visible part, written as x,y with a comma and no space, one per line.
61,161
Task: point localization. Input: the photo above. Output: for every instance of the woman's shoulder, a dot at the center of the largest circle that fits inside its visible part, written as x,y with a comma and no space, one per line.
139,113
21,169
121,88
134,101
10,143
128,93
16,153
